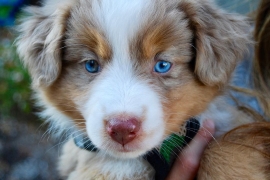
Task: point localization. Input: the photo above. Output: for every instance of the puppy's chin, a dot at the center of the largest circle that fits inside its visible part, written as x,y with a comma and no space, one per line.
131,150
124,153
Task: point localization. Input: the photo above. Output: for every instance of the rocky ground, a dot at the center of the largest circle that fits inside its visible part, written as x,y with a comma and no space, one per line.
26,151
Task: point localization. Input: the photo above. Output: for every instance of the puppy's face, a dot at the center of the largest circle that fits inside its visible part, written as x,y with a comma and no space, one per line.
129,73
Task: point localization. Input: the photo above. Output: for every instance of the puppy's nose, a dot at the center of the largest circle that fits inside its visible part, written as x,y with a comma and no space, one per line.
123,130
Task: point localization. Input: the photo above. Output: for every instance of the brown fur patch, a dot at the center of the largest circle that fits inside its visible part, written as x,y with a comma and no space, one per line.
87,38
62,97
243,153
70,90
164,31
158,37
185,102
83,34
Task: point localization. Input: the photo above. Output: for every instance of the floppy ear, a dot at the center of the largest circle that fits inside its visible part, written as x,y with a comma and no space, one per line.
220,40
39,43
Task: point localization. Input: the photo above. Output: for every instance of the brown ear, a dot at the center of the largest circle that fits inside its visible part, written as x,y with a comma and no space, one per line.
220,40
39,43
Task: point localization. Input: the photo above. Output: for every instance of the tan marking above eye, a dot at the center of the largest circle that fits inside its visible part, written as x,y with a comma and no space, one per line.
169,35
96,42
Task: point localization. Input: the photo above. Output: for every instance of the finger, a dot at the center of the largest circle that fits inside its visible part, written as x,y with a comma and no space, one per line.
186,166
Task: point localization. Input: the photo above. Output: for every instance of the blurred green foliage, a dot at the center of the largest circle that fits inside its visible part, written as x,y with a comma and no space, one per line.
14,80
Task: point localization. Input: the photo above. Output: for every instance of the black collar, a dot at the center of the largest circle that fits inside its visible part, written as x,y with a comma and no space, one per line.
162,159
84,142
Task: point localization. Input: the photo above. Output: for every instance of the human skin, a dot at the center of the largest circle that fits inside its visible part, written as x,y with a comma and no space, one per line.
187,165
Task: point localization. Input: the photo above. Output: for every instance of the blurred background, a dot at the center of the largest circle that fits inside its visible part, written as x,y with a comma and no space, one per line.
27,152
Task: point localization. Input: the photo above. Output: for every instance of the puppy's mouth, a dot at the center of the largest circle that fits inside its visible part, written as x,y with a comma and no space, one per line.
125,136
132,149
127,148
84,142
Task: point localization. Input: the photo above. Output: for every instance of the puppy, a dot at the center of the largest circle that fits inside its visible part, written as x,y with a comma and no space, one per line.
127,74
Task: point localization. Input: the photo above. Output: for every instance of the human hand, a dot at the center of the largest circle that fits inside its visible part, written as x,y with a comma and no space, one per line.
187,164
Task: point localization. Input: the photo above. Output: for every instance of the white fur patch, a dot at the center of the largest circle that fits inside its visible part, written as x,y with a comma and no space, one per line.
59,123
100,166
116,91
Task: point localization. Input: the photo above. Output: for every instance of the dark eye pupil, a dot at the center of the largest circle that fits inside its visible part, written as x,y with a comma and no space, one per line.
93,63
92,66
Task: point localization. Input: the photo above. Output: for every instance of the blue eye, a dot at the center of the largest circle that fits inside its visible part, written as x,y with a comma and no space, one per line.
92,66
162,66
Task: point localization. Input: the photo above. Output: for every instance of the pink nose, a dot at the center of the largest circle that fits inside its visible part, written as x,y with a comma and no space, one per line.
123,130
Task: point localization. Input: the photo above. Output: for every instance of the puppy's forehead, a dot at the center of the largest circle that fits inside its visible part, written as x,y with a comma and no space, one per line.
120,20
137,28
